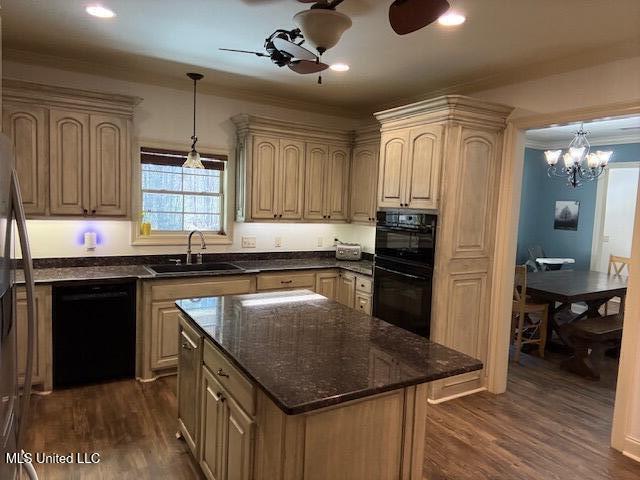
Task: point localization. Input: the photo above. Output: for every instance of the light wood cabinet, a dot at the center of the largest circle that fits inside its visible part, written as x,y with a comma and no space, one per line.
364,180
42,372
327,284
410,161
290,171
277,178
286,280
161,317
108,165
69,180
189,371
27,128
73,149
459,177
226,423
314,198
212,426
363,302
346,289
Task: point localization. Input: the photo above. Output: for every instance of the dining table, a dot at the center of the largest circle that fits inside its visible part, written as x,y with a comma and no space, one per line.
562,288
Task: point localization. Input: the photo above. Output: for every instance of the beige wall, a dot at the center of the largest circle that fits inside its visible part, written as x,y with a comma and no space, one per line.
165,115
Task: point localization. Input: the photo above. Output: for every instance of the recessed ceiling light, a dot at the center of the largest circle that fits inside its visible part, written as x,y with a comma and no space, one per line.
100,11
451,19
339,67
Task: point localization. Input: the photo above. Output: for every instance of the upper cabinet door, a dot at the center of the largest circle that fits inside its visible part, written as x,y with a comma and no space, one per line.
364,178
393,153
337,184
317,159
264,186
26,126
291,192
69,162
109,166
423,166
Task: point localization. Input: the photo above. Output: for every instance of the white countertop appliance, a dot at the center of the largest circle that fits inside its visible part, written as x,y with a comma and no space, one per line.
348,251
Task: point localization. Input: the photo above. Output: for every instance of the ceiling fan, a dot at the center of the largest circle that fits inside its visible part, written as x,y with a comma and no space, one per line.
284,48
405,16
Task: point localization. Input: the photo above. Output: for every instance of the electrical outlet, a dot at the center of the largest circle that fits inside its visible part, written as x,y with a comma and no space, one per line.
277,242
248,242
319,241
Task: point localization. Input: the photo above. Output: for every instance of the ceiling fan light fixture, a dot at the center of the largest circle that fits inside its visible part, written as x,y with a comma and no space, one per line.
100,11
407,16
322,28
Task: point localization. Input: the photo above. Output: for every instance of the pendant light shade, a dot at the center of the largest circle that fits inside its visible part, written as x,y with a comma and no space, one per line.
193,158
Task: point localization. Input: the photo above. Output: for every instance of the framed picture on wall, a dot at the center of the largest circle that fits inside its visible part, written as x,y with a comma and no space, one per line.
566,215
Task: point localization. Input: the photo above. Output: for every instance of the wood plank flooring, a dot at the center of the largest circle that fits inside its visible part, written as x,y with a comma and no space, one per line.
550,425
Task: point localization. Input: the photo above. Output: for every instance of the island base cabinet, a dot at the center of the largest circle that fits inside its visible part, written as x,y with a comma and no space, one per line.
190,359
378,438
227,433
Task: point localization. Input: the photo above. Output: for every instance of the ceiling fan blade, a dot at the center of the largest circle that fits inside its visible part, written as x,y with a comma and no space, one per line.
293,50
407,16
259,54
307,66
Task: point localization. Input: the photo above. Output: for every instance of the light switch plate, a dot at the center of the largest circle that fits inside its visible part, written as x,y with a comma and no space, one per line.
248,242
277,242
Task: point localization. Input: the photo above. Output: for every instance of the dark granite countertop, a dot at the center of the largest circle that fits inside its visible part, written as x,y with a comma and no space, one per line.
307,352
70,274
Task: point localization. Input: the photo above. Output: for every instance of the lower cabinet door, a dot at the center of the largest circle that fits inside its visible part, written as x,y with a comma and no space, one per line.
212,412
363,303
346,289
190,359
326,284
165,317
239,442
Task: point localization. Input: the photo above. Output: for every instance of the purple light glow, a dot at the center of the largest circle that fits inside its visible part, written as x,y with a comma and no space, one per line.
89,227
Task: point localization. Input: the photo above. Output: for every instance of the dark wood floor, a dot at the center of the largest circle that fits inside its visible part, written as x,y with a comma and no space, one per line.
550,425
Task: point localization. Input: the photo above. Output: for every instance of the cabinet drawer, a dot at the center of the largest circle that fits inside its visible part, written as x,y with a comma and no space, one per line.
278,281
238,386
363,284
363,303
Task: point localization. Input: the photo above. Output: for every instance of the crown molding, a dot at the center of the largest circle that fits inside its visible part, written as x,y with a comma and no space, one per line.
145,76
256,124
29,92
468,110
594,141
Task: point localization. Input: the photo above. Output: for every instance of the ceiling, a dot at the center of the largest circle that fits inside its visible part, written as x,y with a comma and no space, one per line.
502,41
615,130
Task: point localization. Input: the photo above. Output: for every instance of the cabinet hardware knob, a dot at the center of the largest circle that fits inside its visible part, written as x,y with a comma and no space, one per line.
186,346
85,211
280,216
329,216
221,373
275,215
93,212
284,282
218,396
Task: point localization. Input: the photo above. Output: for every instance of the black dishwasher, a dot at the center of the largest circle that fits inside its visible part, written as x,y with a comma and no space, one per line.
94,332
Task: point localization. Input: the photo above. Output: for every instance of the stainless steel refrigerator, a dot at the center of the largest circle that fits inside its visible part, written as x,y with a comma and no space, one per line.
14,400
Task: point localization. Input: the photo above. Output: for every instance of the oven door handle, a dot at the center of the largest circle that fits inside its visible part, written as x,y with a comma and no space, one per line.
401,273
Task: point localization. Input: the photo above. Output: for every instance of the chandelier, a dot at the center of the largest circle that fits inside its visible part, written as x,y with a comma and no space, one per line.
580,164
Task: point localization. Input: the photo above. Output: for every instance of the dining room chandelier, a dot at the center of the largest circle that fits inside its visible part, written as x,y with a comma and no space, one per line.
579,163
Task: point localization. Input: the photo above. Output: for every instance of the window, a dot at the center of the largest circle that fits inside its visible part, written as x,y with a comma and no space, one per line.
176,199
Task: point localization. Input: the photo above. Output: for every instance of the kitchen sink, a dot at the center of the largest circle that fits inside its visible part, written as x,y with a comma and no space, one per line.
165,269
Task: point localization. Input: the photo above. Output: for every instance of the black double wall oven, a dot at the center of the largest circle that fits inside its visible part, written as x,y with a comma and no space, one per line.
403,272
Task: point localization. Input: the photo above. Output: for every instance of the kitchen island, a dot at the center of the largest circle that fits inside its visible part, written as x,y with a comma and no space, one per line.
291,385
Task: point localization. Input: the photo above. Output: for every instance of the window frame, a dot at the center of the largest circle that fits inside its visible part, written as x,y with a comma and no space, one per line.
168,238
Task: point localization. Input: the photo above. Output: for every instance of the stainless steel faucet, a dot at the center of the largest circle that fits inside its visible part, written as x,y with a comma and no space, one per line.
203,246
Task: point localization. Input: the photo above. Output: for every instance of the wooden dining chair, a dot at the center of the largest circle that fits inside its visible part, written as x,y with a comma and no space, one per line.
523,327
617,266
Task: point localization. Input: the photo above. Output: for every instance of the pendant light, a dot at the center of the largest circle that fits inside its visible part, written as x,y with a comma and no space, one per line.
193,158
